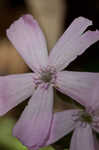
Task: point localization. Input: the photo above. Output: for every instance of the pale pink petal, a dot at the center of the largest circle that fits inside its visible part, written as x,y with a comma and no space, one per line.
14,89
27,37
62,124
78,85
82,139
94,101
33,127
67,49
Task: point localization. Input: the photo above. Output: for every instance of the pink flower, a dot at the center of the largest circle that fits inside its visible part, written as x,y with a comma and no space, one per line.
34,125
82,121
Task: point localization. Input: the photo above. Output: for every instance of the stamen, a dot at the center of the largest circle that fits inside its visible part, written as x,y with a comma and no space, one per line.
45,77
83,118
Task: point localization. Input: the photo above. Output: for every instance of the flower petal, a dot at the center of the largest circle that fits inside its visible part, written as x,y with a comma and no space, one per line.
14,89
82,139
62,124
68,48
33,126
78,85
28,39
94,101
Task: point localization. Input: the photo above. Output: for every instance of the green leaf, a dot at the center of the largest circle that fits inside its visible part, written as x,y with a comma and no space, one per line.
7,141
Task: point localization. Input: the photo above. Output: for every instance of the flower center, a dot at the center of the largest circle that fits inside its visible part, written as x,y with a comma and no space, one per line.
86,117
83,117
46,76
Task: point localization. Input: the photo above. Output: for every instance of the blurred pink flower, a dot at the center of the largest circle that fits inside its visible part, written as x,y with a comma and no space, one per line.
25,34
82,121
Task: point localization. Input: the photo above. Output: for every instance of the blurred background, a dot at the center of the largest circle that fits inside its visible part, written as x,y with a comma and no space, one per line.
54,16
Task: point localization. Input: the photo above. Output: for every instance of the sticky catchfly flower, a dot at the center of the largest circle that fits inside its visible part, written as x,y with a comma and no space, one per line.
82,122
25,34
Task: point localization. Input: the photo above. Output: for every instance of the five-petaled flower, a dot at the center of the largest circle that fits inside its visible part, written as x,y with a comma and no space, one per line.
81,121
35,123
